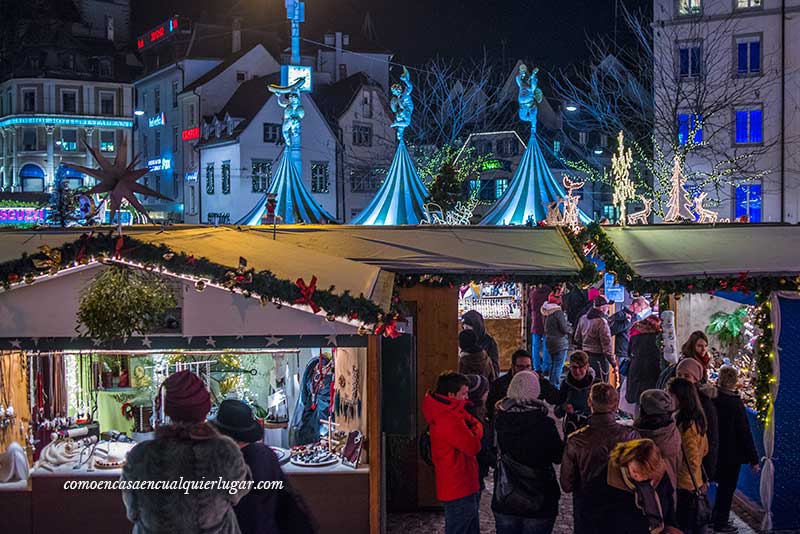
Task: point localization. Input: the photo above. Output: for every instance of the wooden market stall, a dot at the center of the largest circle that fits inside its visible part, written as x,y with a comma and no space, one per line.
38,321
756,265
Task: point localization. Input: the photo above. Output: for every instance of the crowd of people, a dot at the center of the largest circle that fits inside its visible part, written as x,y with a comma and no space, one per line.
649,473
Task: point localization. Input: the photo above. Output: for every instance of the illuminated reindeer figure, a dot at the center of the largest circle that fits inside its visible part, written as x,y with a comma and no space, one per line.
640,217
570,203
705,215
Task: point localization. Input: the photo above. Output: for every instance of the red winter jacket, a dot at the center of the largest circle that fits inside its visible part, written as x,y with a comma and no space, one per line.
455,443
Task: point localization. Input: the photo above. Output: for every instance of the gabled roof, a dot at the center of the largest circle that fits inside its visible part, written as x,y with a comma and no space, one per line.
219,69
359,44
333,100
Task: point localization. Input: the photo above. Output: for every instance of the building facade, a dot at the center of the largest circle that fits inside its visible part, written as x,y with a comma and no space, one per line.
727,82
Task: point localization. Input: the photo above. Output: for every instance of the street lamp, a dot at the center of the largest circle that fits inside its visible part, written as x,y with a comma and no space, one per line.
571,108
598,151
138,112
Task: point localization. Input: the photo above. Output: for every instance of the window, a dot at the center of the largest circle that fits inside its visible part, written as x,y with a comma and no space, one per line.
748,202
29,139
174,94
365,180
500,186
689,60
610,213
176,185
582,138
241,76
107,141
689,7
342,71
272,132
210,178
748,55
69,140
32,178
362,135
105,70
262,175
157,100
144,147
190,118
507,147
690,124
749,126
604,140
320,182
157,144
556,147
107,106
158,183
485,147
226,177
474,188
748,4
29,100
69,101
174,139
366,104
67,62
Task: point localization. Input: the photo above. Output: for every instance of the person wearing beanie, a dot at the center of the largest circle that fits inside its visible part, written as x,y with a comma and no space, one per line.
520,420
593,336
736,446
655,422
478,391
692,370
472,359
556,337
261,511
586,453
191,449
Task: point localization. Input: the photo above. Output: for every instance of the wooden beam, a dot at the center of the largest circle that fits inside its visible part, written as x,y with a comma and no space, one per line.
374,437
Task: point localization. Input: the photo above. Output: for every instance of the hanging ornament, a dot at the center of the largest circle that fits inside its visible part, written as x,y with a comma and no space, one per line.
263,300
200,285
52,263
307,293
168,256
29,278
330,317
363,330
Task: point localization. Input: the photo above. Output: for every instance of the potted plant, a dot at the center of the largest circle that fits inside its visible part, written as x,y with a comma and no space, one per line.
729,329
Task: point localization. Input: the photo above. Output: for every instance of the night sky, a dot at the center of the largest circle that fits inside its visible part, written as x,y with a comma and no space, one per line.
551,33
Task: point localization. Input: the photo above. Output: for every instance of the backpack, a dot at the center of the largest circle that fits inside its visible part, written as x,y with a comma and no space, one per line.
425,446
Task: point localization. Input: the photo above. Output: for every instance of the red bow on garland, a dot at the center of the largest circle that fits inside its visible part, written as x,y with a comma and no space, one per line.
307,293
388,328
118,247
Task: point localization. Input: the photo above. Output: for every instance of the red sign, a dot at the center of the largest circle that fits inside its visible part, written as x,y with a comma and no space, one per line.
140,43
155,35
191,133
158,34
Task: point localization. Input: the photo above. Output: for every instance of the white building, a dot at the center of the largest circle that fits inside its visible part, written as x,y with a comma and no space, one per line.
240,147
58,96
106,19
733,67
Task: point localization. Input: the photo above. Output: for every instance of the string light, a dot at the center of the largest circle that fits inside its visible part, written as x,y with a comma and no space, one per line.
678,196
624,189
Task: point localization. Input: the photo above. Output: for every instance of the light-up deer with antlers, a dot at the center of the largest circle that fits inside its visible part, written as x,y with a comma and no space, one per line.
640,217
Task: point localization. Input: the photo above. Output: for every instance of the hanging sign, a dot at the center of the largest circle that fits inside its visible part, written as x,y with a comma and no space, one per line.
23,215
159,164
190,133
614,293
158,120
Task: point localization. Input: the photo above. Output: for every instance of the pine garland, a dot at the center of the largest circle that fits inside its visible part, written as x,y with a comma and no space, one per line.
764,357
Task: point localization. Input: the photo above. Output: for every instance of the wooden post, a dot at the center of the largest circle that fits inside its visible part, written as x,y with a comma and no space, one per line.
374,437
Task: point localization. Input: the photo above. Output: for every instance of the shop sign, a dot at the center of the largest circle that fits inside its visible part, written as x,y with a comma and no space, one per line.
23,215
191,176
614,293
159,164
190,133
157,34
158,120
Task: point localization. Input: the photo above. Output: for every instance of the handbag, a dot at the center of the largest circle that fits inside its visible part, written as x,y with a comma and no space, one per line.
700,512
520,489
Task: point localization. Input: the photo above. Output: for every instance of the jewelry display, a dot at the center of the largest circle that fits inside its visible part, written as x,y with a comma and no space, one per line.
315,455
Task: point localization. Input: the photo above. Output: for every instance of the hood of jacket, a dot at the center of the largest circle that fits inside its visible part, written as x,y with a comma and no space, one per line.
435,407
668,439
709,390
473,357
509,411
645,327
549,308
594,313
475,320
586,383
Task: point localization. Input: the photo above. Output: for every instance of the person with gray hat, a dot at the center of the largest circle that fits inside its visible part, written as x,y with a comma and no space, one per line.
736,445
655,422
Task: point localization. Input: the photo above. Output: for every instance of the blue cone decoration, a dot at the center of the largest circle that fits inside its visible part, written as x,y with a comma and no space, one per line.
401,197
532,188
294,202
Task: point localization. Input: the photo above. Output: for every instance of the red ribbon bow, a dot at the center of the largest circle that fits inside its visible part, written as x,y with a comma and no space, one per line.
118,247
388,329
307,293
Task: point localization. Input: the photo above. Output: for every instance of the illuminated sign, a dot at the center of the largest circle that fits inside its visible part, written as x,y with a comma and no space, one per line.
191,133
191,176
158,120
495,164
159,164
291,73
157,34
23,215
56,120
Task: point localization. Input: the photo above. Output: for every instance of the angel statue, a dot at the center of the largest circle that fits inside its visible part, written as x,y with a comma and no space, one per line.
530,96
293,113
402,105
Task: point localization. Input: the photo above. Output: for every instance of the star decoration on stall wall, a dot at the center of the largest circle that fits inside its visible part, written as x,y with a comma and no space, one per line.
211,342
273,340
16,344
332,340
147,342
119,180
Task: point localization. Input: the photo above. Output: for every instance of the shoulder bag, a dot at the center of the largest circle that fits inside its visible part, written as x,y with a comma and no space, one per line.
700,511
519,489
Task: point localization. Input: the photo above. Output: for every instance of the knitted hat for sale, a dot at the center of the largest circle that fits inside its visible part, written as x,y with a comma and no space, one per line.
656,402
728,377
186,398
478,386
524,386
691,367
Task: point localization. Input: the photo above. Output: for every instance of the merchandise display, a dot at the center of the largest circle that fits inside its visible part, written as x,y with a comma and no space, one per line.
13,464
315,455
282,454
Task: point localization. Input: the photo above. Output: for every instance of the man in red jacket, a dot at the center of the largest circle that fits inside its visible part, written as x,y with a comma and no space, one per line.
455,443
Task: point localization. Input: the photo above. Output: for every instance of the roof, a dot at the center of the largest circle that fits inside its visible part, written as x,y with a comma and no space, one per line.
467,250
687,251
333,100
359,44
219,69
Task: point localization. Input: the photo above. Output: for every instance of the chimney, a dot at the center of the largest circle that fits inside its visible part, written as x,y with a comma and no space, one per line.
236,36
329,39
338,56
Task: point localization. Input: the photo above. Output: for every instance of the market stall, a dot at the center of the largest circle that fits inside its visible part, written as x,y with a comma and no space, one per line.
304,363
735,272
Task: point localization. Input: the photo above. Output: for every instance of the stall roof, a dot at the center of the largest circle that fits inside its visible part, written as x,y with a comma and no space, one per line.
679,252
224,245
467,250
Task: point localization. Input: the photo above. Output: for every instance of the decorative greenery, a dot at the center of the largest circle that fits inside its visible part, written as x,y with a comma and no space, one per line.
445,189
263,284
63,208
729,328
765,356
19,204
121,302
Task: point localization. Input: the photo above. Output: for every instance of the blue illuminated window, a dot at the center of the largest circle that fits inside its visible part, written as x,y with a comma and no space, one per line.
689,123
474,187
749,126
690,60
500,186
748,55
748,202
69,140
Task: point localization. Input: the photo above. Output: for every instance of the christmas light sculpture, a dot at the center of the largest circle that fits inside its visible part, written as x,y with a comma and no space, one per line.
704,215
624,189
679,200
640,217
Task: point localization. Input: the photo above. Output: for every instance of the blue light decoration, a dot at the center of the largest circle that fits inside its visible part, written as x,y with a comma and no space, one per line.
159,164
56,120
533,186
294,202
748,202
401,198
156,120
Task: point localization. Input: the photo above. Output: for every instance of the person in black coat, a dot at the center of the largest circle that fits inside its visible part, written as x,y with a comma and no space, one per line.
520,361
645,358
736,445
478,392
473,320
573,400
621,322
521,420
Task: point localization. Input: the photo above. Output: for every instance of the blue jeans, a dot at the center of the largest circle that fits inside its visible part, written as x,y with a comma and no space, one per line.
461,515
511,524
557,367
541,360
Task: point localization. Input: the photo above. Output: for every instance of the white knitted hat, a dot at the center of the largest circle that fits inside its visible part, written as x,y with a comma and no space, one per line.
524,386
